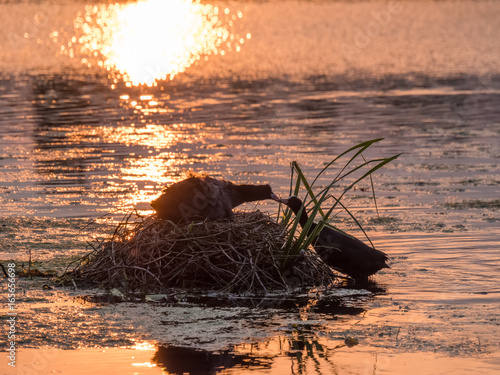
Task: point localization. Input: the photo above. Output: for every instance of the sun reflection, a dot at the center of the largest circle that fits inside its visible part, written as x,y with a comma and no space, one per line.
144,346
152,40
144,364
149,173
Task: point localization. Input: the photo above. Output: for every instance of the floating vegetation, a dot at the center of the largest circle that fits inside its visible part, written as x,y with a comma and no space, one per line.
474,203
238,255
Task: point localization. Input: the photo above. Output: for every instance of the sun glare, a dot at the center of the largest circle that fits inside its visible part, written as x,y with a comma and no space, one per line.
151,40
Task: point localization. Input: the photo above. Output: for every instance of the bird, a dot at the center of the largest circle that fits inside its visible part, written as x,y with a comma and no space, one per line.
200,197
340,250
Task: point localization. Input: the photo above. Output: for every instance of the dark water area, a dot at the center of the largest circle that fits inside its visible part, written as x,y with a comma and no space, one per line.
81,145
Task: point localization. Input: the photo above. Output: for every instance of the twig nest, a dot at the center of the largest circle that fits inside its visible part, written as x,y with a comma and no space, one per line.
238,255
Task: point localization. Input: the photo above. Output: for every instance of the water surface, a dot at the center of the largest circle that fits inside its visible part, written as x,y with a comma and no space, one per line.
79,148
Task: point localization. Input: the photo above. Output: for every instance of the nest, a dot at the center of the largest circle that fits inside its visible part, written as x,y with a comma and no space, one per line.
243,254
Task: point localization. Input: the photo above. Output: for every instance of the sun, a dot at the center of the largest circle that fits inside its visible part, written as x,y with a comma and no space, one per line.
152,40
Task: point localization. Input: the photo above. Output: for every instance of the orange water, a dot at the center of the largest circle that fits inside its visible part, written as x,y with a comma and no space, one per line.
309,80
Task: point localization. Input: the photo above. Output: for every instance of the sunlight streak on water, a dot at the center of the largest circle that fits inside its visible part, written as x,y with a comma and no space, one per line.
152,39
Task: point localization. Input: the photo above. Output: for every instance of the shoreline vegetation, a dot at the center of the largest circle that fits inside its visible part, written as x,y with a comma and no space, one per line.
251,253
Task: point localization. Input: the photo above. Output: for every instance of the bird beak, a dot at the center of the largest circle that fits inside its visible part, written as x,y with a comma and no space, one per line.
275,197
284,201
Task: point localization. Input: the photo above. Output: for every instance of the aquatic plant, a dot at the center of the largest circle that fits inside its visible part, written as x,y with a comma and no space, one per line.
355,167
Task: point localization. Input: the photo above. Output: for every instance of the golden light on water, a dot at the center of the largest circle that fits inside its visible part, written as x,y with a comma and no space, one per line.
151,40
144,346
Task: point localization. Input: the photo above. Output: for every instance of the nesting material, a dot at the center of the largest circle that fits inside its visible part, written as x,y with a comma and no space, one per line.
238,255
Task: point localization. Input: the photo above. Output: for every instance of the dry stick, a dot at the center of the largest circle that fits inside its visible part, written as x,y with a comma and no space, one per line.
161,257
229,257
257,273
4,271
233,281
139,268
113,252
243,266
276,267
202,237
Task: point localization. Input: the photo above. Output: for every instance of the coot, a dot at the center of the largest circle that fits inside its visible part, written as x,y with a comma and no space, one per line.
340,250
203,197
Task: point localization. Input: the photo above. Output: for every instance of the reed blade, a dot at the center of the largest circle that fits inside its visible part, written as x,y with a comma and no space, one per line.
297,241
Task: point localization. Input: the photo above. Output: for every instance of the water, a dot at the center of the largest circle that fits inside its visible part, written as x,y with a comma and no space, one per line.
79,148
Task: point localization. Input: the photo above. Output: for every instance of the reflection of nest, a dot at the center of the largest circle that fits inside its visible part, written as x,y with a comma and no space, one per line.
242,254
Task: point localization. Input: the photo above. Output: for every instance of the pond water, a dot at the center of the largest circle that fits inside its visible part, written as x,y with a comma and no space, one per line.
81,144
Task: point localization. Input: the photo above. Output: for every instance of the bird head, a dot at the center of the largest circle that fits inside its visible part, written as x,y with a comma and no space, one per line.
272,196
293,202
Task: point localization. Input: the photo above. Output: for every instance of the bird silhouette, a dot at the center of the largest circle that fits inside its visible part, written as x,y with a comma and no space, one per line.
340,250
202,197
